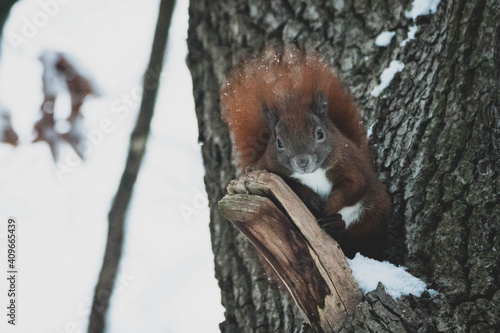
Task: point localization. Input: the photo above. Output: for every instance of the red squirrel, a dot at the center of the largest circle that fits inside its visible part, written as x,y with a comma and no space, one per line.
289,114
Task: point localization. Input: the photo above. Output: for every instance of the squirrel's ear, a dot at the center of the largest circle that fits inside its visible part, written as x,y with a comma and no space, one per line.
270,115
321,106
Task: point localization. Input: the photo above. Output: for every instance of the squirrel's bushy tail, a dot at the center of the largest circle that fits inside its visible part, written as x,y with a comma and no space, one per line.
274,78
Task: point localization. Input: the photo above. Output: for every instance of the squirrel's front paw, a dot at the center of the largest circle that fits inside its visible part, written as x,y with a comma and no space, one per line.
237,186
315,204
333,225
245,184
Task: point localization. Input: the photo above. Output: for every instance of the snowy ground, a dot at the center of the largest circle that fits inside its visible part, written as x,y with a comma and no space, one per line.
166,283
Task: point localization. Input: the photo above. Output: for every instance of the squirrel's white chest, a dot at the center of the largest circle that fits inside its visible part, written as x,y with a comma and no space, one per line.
316,181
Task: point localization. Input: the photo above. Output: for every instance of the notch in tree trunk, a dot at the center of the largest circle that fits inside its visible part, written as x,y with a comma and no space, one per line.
308,261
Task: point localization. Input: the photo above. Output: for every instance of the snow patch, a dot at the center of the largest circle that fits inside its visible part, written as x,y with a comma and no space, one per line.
385,38
387,76
422,7
397,281
411,35
370,131
419,7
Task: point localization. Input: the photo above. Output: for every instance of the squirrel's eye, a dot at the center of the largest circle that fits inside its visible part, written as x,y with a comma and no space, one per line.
320,134
279,143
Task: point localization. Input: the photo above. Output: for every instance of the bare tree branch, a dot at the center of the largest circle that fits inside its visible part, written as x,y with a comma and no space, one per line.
138,140
308,261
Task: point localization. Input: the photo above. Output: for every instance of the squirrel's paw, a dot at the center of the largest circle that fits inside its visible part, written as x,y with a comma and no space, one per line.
333,225
315,204
254,181
237,186
245,183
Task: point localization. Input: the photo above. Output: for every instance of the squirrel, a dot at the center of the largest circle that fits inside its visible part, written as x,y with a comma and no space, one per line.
288,113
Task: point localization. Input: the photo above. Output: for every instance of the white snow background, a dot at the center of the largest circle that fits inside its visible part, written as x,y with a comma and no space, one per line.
167,276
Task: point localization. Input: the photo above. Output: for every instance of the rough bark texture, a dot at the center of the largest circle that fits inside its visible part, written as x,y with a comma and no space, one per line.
436,141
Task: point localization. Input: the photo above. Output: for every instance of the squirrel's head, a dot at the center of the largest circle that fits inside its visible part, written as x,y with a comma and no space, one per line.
301,141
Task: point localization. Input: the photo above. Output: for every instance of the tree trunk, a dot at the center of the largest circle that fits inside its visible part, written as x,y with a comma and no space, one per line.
436,136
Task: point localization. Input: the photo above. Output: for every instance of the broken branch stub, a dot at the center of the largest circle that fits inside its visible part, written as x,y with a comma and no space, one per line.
308,261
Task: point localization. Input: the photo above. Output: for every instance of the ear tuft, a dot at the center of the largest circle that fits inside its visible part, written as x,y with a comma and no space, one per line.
321,106
270,115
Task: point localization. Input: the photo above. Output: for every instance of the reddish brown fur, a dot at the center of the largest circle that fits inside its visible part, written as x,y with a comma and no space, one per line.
260,80
286,83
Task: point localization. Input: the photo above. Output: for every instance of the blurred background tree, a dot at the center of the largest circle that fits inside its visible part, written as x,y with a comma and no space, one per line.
5,7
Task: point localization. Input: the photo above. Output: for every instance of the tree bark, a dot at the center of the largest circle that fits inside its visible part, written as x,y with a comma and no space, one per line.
436,139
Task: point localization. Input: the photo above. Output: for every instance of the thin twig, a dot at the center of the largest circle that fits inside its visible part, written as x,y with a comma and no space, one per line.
116,216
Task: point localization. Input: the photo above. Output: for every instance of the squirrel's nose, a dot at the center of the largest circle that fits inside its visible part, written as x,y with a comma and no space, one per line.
302,161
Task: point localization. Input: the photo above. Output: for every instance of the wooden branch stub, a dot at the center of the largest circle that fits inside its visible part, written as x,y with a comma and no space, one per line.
307,260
